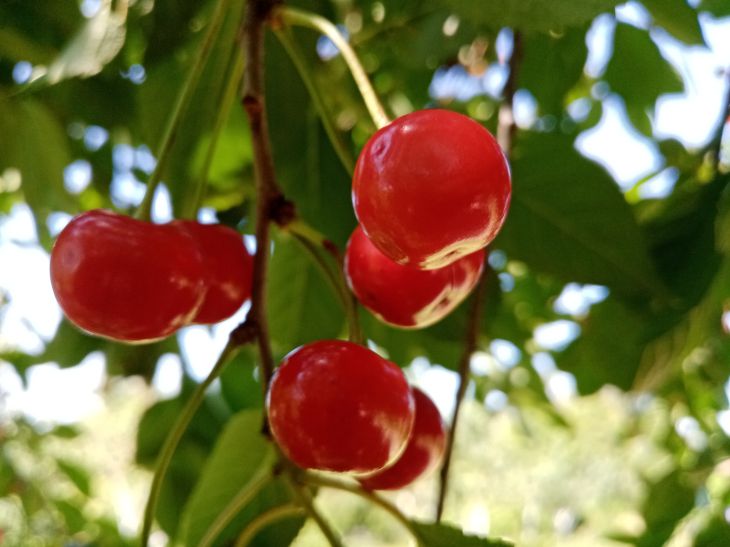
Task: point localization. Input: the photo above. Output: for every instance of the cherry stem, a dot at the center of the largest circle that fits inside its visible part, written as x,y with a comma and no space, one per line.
294,16
333,270
185,95
266,518
244,496
327,482
297,58
267,189
506,130
470,344
304,497
194,200
173,438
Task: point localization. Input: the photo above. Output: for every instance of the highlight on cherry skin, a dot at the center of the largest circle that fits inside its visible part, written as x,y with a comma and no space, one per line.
423,453
431,187
228,269
126,279
338,406
404,296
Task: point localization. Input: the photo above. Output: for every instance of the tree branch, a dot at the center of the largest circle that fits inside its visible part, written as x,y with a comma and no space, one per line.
505,136
268,194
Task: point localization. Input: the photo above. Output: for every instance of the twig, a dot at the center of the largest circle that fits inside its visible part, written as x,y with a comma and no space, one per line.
173,438
299,17
505,136
470,343
181,107
327,482
268,193
245,495
506,129
301,493
334,275
266,518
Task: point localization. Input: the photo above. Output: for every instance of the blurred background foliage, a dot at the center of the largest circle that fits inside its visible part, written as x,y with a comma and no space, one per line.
613,432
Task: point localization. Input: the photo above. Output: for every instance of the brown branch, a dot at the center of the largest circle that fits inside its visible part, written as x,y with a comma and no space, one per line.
269,198
505,136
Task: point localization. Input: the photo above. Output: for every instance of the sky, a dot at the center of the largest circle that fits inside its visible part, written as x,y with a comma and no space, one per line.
57,395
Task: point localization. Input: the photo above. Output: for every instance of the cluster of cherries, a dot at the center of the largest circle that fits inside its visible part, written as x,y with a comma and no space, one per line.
136,282
430,190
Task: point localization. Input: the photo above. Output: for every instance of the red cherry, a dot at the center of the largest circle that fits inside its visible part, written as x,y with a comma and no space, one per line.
337,406
126,279
423,452
402,295
431,187
228,267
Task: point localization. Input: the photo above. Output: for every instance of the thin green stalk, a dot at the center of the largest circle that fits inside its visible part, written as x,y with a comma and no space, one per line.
229,97
265,519
301,493
181,106
244,496
294,16
173,438
315,243
327,482
295,53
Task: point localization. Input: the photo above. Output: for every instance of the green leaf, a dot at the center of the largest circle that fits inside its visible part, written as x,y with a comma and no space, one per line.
718,8
568,218
239,386
301,305
542,15
442,535
72,515
240,456
70,345
715,534
14,45
668,501
39,150
76,474
639,73
722,223
678,18
681,231
552,65
609,349
159,419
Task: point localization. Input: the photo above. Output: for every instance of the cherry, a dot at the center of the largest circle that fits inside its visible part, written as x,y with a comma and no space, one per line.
338,406
423,452
126,279
402,295
431,187
228,267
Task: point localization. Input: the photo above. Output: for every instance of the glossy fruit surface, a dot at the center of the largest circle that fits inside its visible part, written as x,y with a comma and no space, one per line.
125,279
337,406
402,295
423,452
431,187
228,269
